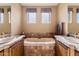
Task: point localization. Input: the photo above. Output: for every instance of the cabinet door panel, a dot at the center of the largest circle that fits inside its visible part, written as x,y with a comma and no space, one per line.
61,50
1,53
17,49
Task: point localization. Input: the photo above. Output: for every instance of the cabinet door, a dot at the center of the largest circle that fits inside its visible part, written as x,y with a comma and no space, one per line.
6,52
21,48
17,49
1,53
60,50
13,50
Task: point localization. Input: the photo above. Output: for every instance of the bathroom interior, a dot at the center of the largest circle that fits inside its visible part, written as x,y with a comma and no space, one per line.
34,29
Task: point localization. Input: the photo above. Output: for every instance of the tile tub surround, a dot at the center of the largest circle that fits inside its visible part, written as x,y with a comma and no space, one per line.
39,35
10,43
39,47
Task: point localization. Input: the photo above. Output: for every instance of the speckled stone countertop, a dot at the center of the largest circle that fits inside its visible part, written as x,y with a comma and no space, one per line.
11,42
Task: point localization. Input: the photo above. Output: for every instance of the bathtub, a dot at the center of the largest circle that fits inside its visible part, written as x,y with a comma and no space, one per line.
39,46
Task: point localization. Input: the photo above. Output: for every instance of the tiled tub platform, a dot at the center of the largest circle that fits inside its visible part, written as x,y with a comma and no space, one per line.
39,47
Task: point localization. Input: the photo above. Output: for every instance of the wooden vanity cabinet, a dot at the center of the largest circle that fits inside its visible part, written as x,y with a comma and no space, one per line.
17,49
62,50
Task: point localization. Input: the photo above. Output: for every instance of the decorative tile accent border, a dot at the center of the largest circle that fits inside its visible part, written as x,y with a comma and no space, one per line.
39,35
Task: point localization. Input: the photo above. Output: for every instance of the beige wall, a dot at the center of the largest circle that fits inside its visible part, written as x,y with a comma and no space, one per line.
59,14
19,20
16,19
63,16
5,27
74,26
39,27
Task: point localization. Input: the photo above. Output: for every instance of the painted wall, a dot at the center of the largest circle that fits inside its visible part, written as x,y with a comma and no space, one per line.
5,27
16,19
63,16
19,20
39,27
74,26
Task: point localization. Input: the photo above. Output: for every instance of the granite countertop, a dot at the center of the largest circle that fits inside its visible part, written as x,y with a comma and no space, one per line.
11,42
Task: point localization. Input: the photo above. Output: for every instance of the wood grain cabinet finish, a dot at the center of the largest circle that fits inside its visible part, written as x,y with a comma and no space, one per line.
17,49
62,50
1,53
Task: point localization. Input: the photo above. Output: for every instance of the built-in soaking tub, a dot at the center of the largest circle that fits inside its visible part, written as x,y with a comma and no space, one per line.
39,46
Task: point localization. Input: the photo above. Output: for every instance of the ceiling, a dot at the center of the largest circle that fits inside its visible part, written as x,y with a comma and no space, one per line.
73,4
38,4
5,4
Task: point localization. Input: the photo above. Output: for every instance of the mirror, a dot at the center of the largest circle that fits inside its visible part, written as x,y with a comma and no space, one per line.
5,21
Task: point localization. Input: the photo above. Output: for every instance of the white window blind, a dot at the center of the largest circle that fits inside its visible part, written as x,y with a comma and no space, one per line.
1,15
70,11
31,15
46,15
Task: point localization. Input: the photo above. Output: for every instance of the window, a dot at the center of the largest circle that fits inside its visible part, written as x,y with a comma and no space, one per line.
9,15
46,15
1,15
31,15
77,15
70,15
